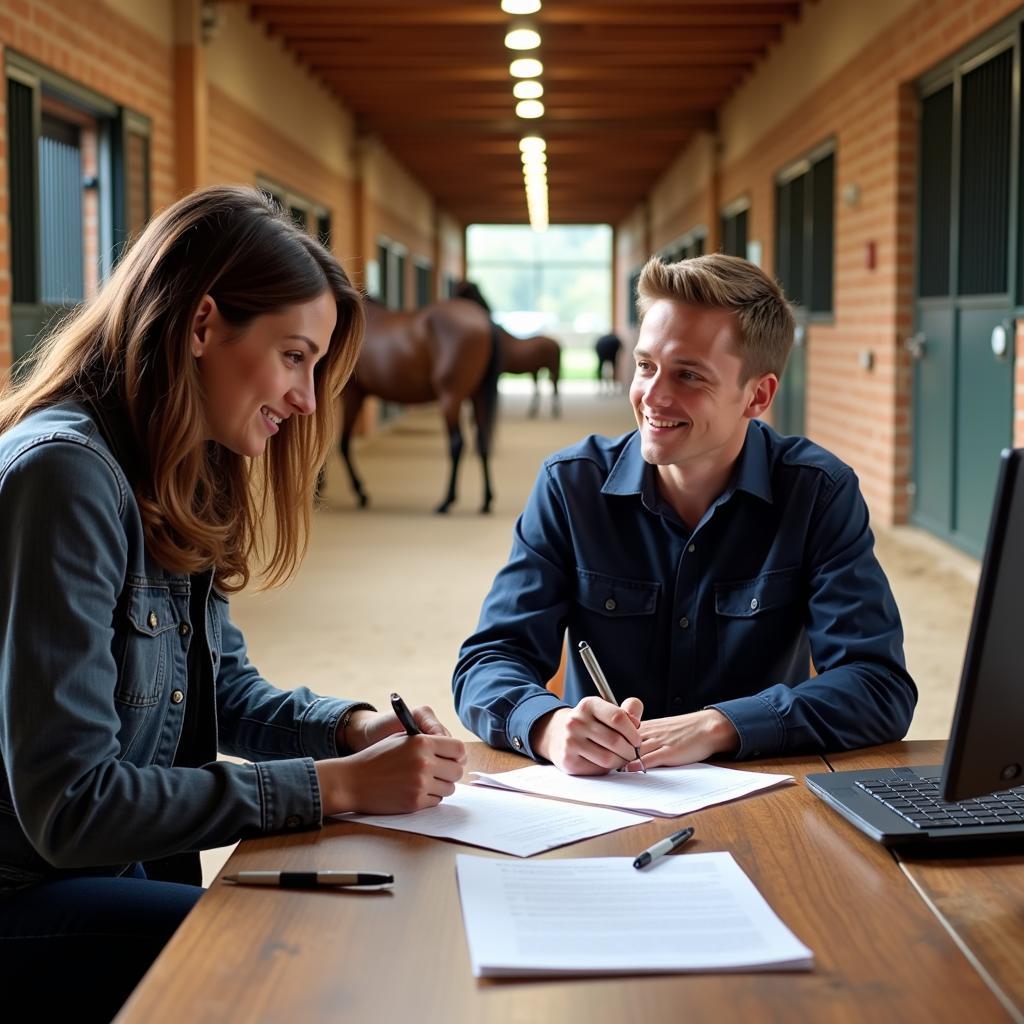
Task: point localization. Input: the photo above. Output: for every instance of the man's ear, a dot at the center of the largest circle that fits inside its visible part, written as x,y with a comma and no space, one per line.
762,395
206,314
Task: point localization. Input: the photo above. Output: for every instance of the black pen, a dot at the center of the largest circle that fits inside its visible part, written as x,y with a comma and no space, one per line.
663,846
403,714
314,879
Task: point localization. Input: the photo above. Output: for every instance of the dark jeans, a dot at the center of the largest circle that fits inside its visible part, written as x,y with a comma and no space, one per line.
78,946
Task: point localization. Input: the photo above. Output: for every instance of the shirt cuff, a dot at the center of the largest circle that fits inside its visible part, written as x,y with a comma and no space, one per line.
289,794
523,718
318,727
758,724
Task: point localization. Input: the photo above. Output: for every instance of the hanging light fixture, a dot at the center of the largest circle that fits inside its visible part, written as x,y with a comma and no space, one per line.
522,38
526,67
527,89
529,109
520,6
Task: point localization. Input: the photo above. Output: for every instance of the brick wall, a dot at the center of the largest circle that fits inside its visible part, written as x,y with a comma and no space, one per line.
98,48
243,146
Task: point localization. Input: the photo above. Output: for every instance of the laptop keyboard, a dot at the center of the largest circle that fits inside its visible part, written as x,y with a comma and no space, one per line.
918,801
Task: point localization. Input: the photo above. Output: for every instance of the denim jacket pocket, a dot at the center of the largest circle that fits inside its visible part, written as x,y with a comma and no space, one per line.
614,597
144,658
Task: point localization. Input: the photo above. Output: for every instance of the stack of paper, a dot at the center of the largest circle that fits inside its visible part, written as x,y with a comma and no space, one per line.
509,822
666,792
601,916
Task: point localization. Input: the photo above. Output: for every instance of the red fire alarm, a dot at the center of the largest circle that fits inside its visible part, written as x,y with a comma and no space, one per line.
869,256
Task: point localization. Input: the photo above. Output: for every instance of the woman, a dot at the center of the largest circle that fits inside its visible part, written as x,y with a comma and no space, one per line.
143,456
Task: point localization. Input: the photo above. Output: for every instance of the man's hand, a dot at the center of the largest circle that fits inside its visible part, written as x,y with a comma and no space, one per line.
592,738
368,727
685,739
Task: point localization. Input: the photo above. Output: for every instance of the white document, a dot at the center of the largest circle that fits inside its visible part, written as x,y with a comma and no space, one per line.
695,912
665,792
482,817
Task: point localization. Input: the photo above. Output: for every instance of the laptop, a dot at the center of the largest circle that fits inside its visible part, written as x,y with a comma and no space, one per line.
977,794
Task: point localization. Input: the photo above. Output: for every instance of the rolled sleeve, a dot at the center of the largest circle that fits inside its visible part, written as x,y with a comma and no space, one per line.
289,794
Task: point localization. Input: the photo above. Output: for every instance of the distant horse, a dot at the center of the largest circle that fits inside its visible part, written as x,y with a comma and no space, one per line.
522,355
445,352
607,348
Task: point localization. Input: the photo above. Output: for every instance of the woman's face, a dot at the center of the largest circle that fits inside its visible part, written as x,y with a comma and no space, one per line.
255,379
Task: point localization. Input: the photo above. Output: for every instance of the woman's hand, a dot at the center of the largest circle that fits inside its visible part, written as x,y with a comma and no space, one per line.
395,775
365,728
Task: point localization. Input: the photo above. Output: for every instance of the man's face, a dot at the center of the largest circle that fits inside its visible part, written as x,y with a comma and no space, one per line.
687,395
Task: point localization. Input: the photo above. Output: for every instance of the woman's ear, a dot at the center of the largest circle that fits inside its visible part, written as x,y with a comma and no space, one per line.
206,315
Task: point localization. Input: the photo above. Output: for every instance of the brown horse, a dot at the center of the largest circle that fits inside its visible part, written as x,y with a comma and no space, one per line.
444,352
522,355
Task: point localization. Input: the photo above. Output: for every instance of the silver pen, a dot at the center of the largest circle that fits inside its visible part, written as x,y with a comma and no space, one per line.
601,683
314,879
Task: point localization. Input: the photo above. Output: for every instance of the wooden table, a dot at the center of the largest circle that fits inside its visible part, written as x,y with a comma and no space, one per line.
882,952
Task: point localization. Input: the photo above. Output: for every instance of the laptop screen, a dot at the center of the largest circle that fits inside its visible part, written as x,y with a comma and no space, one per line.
986,746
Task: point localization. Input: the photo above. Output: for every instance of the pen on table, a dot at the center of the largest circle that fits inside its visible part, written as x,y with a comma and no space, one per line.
404,715
313,879
605,691
663,846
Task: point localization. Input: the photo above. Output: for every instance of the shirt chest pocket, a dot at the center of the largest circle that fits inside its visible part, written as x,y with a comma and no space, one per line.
149,629
756,599
614,597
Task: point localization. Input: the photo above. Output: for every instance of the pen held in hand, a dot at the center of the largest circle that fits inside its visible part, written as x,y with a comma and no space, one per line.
314,879
404,715
601,685
663,846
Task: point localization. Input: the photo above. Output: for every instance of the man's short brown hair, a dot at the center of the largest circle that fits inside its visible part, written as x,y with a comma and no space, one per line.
763,316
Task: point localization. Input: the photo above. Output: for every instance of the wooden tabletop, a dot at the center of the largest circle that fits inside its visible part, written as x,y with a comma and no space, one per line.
247,954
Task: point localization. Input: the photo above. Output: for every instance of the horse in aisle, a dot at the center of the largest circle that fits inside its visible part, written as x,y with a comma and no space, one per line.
523,355
442,352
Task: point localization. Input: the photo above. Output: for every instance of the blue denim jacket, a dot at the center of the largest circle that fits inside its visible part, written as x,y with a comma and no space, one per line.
93,678
780,569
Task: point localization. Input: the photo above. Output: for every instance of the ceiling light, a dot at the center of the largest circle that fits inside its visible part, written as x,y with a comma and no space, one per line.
520,6
529,109
528,89
526,67
532,144
522,39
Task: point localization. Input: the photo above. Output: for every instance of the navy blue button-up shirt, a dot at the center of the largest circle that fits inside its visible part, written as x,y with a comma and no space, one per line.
779,573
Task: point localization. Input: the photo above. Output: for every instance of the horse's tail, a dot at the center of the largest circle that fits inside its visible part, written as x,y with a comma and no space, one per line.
489,388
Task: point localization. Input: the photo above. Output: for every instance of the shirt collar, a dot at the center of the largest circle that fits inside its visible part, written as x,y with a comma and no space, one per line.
631,475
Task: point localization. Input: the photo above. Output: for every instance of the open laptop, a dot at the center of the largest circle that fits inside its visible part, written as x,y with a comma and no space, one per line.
977,795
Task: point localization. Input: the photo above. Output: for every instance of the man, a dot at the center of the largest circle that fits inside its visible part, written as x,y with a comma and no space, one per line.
706,559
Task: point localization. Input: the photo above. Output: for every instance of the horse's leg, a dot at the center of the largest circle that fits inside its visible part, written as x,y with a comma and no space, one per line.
554,370
450,407
483,446
353,402
535,401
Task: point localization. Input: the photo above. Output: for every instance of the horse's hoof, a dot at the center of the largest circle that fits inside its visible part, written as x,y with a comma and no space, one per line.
442,509
363,501
485,509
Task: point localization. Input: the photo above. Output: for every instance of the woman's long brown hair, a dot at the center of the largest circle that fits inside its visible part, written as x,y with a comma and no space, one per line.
202,505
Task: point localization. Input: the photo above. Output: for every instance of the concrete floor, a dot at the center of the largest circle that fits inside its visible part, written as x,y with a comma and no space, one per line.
387,594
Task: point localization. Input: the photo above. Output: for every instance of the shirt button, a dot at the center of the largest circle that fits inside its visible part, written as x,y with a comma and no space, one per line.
753,604
183,629
293,821
610,604
152,620
692,548
684,623
177,697
517,743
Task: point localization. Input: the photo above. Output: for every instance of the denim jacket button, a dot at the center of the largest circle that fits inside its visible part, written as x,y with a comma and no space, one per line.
183,629
293,821
152,620
177,697
610,604
517,743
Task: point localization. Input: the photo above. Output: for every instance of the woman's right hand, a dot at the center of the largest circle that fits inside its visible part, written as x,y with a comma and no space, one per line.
396,775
